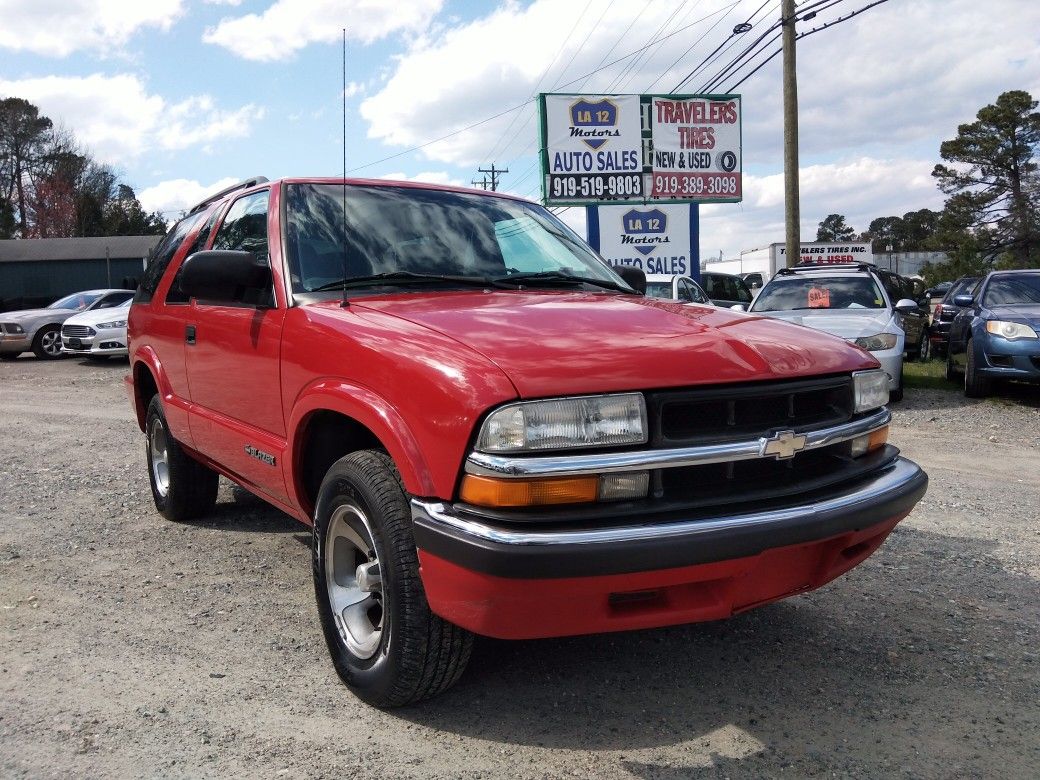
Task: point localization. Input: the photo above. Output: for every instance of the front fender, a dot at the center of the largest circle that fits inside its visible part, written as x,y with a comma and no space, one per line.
373,412
174,407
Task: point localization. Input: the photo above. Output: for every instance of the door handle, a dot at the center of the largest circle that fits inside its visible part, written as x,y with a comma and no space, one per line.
189,334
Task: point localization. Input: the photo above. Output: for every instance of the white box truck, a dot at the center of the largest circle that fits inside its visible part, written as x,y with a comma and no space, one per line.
765,261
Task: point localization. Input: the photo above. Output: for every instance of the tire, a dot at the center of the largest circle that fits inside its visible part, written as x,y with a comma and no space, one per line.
46,344
975,386
387,646
182,488
895,396
924,352
951,370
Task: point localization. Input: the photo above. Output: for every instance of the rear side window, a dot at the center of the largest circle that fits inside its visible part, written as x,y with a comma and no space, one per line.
161,257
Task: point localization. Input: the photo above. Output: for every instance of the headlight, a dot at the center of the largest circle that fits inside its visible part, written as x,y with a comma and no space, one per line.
113,324
870,389
1010,330
588,421
11,327
878,343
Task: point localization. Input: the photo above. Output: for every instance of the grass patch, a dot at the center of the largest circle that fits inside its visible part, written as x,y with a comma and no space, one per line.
927,376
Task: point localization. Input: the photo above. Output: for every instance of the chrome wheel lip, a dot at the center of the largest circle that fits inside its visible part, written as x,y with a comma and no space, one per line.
159,455
359,612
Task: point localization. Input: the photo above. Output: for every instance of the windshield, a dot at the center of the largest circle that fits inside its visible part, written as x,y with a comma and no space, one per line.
1011,290
404,230
836,292
965,285
77,301
658,289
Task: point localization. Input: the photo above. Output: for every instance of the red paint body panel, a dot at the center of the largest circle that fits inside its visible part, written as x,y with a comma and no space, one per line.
533,609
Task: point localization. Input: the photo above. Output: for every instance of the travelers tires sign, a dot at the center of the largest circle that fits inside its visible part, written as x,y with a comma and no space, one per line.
640,149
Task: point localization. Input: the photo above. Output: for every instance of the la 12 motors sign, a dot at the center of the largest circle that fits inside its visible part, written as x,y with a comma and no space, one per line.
696,147
592,148
658,238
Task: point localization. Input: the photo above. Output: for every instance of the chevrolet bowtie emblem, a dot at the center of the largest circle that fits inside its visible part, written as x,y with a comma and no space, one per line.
783,445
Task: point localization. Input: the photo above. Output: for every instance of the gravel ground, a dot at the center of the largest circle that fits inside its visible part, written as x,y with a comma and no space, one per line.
130,646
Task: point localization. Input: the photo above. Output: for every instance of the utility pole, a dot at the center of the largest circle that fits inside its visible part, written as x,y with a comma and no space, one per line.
792,216
495,173
482,184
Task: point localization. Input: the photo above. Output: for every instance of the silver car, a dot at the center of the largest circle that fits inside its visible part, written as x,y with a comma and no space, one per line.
39,330
848,301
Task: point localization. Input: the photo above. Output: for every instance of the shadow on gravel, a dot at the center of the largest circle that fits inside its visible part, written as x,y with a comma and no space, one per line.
246,513
1003,394
899,654
105,363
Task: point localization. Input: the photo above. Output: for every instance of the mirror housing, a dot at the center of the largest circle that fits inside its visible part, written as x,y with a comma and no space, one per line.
907,306
634,277
225,276
964,299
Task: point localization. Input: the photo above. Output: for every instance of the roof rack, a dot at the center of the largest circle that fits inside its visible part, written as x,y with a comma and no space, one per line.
217,196
826,266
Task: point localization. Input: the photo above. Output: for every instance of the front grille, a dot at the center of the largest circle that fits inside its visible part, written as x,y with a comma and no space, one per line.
77,331
742,412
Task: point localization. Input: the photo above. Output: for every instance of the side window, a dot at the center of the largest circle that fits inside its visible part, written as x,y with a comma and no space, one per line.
684,291
891,287
161,257
695,294
245,226
174,294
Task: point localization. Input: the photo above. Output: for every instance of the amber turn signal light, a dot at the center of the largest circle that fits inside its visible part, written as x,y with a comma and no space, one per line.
869,442
488,491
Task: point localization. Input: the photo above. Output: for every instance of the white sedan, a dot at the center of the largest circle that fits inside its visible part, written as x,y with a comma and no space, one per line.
677,288
96,333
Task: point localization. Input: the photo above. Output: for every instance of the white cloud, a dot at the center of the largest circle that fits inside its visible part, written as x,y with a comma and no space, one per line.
59,28
428,177
177,195
118,120
902,73
353,88
289,25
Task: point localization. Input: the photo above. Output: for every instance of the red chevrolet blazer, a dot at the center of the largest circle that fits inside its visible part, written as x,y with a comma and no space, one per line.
489,430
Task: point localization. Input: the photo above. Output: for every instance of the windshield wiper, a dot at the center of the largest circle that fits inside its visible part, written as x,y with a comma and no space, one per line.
550,278
405,277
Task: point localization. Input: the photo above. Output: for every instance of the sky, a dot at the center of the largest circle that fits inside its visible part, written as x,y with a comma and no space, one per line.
183,98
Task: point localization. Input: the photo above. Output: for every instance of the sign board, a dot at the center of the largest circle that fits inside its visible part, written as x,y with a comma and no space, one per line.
640,149
658,238
822,254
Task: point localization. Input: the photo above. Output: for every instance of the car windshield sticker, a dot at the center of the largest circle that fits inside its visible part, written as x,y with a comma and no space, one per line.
819,298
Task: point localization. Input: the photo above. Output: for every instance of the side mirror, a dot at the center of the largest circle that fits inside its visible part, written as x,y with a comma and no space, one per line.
224,276
738,307
963,300
906,306
634,277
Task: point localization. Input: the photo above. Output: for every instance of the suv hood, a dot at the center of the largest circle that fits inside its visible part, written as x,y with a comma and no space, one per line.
558,343
847,323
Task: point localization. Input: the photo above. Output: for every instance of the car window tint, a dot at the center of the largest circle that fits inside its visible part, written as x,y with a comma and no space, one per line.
840,292
161,257
684,292
696,293
245,226
1013,290
174,294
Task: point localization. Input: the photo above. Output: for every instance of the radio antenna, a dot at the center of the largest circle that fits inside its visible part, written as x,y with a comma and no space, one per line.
343,186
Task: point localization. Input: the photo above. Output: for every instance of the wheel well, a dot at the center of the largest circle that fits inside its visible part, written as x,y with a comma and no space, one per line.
144,388
326,437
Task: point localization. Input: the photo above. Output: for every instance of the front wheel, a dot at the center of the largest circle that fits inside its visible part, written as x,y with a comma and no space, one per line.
46,344
386,644
894,396
975,385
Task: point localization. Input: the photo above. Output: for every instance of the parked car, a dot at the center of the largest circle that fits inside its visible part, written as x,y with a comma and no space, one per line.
98,333
995,334
944,312
725,289
936,293
914,322
675,287
847,300
39,330
753,280
488,430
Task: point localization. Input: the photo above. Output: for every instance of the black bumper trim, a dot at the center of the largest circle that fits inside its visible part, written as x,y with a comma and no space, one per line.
468,541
